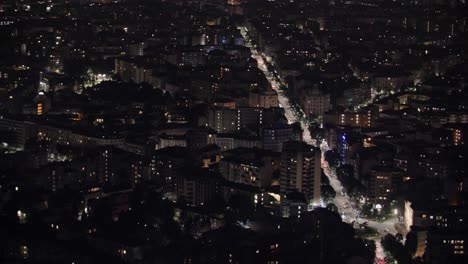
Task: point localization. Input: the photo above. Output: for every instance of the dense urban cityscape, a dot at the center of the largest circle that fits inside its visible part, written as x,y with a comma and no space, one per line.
233,131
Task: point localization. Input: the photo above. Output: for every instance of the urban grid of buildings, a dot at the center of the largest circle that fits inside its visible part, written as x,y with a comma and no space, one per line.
238,131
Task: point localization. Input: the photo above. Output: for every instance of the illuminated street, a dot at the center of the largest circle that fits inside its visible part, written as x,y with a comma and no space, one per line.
270,131
276,84
342,202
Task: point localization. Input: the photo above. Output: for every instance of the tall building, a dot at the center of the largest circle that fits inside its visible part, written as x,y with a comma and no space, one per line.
315,102
264,99
275,135
137,49
104,166
383,183
223,120
440,230
197,187
353,119
15,133
300,171
247,166
42,103
165,165
250,116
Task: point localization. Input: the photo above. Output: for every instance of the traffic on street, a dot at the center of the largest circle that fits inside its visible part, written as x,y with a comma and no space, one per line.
346,208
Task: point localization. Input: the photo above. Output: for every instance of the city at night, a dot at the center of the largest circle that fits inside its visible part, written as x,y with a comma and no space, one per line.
233,131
